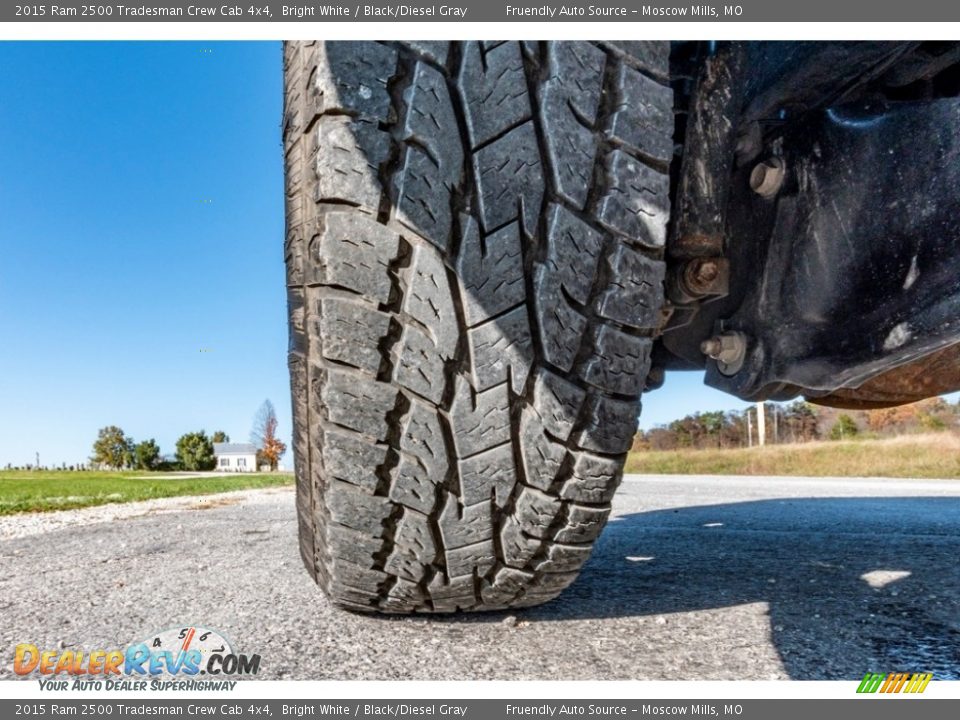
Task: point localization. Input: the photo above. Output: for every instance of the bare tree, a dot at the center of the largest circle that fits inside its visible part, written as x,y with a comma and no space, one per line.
264,435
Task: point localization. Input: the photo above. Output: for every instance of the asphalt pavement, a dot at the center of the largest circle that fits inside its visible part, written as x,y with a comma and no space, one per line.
694,578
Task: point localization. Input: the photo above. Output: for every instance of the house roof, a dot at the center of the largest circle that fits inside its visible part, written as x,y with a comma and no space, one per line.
234,449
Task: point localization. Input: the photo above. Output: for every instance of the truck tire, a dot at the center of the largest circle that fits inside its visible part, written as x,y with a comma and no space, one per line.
474,252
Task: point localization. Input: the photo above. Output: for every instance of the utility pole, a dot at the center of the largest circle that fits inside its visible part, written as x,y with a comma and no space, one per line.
749,429
38,460
776,424
761,424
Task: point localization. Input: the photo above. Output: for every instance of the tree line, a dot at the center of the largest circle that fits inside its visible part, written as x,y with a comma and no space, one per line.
797,422
114,449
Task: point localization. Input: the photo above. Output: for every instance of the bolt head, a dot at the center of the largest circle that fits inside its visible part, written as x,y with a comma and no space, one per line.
707,271
712,347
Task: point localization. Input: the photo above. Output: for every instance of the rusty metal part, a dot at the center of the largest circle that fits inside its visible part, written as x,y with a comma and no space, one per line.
697,279
929,376
707,276
709,151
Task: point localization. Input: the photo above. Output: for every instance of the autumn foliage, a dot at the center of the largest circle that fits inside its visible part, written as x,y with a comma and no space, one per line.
269,447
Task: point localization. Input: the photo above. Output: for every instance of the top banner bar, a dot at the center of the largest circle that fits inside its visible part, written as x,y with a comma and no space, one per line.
622,11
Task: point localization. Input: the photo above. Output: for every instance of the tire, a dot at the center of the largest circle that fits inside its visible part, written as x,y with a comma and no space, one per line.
474,252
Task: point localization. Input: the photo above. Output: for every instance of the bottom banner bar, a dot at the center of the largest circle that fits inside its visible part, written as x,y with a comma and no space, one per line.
874,709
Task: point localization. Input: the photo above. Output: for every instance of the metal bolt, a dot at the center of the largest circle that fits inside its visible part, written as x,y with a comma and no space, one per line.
711,348
728,349
767,177
707,271
704,276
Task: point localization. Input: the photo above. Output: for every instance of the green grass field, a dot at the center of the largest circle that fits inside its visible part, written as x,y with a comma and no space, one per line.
933,455
38,491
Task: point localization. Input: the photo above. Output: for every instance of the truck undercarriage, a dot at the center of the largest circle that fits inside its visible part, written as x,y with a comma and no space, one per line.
812,248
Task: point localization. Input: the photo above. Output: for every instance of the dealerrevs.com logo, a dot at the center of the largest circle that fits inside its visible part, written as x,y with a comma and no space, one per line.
184,658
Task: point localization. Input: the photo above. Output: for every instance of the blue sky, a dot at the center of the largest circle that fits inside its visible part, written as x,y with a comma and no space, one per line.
141,238
141,221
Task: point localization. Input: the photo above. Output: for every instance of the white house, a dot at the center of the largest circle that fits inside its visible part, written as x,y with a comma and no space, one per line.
235,457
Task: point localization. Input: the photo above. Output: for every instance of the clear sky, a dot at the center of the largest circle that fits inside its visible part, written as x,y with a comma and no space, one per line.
141,243
141,247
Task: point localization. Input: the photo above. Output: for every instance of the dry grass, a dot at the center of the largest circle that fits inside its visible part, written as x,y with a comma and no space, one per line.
931,455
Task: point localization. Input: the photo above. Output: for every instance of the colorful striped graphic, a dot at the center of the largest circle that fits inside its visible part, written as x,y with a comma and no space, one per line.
894,682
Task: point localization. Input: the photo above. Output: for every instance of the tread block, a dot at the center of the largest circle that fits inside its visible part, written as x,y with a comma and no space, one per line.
352,546
570,98
611,425
535,511
351,458
557,402
361,404
358,577
423,461
481,426
500,349
433,162
636,203
561,326
488,474
352,507
428,300
353,251
518,548
419,367
403,597
412,488
465,560
352,76
347,597
644,110
465,525
348,158
619,363
413,549
506,585
583,524
541,456
350,332
494,87
635,296
573,252
293,249
296,327
491,272
576,76
594,479
454,594
296,172
564,558
509,177
306,484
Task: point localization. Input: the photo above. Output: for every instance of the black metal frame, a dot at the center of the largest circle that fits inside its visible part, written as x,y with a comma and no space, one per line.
851,265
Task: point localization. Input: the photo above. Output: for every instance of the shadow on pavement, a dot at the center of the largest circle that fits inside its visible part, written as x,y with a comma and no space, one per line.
852,584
